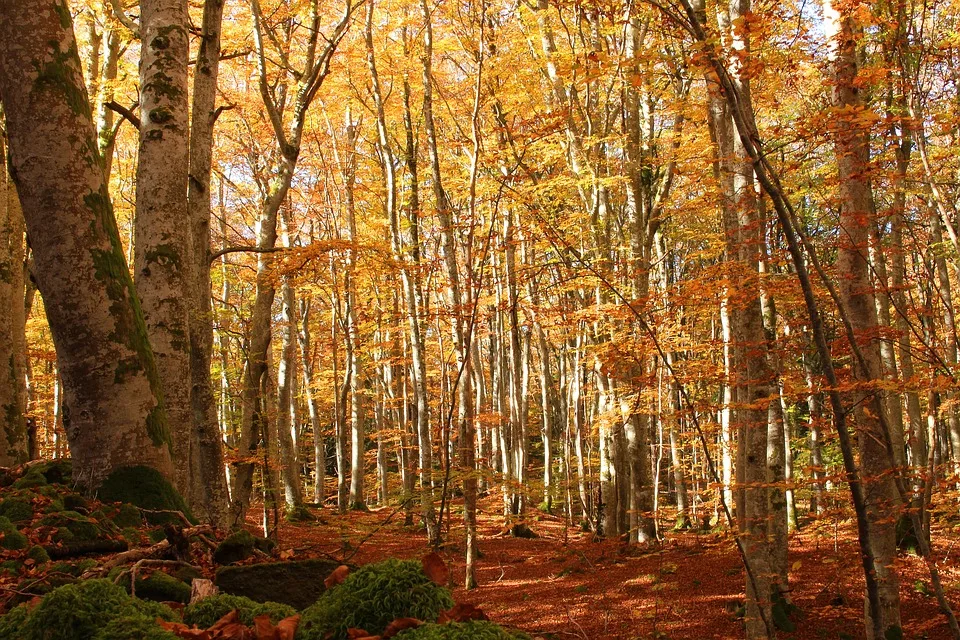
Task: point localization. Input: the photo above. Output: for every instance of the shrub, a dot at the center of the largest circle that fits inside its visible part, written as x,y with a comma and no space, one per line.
204,613
471,630
372,597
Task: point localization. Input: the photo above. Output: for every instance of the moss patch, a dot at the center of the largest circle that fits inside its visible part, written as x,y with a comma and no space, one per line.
371,598
146,488
471,630
134,628
207,611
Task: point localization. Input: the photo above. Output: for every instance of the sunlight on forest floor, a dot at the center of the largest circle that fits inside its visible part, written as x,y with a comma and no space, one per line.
567,585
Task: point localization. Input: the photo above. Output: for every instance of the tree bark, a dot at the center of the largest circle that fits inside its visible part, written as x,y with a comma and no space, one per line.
113,410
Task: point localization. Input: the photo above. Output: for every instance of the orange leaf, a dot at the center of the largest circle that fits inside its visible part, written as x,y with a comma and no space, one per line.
339,575
399,625
435,568
287,628
264,628
461,613
357,634
227,619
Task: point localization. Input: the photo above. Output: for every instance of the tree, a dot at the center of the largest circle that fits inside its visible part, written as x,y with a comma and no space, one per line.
113,410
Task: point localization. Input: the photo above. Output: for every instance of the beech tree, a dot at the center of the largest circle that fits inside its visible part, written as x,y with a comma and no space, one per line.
113,411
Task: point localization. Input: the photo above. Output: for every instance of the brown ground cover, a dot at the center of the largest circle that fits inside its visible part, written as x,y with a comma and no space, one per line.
565,584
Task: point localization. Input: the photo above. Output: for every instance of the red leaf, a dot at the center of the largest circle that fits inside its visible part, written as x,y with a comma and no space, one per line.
339,575
235,631
287,628
435,568
399,625
461,613
356,634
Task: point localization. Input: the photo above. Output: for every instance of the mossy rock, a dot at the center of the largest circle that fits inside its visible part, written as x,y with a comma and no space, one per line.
76,502
127,516
30,480
186,574
12,539
300,514
298,583
134,537
239,546
9,567
73,527
17,508
79,611
146,488
38,554
156,535
136,627
470,630
371,598
158,586
11,625
204,613
55,471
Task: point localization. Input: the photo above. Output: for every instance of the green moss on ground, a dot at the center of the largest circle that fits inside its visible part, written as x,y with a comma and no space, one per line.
371,598
134,628
207,611
11,625
127,516
79,612
38,554
17,508
73,527
471,630
146,488
158,586
12,539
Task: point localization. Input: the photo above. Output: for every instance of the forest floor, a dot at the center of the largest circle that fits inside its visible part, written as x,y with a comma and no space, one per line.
565,584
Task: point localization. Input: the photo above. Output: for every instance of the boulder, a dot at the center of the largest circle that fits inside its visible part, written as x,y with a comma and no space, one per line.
296,583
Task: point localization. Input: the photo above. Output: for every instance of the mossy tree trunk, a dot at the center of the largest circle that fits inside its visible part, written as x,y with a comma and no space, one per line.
162,248
112,407
13,337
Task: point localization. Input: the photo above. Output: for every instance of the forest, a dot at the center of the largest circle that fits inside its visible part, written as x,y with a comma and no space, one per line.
495,319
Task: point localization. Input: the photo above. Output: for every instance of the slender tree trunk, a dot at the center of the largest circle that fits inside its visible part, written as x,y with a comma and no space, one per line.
857,214
163,249
113,410
14,447
209,494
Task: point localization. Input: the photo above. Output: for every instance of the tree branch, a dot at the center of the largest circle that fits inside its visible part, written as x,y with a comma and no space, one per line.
127,114
222,252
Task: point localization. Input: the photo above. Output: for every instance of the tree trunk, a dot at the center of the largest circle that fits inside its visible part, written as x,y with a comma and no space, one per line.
14,447
162,247
857,214
209,491
113,411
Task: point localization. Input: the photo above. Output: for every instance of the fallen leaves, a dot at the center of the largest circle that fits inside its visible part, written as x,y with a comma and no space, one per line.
435,568
337,576
229,627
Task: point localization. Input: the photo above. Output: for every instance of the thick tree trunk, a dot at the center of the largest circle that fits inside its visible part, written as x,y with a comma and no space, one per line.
113,410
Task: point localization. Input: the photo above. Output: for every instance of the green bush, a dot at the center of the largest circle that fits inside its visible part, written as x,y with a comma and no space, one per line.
471,630
146,488
372,597
78,611
135,627
204,613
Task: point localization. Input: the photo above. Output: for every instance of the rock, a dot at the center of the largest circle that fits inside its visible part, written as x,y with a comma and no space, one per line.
145,488
296,583
521,530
